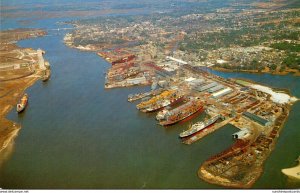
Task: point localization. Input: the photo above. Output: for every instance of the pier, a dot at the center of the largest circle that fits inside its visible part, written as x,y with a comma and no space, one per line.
205,132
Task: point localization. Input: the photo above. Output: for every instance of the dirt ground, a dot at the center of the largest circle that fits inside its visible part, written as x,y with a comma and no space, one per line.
18,71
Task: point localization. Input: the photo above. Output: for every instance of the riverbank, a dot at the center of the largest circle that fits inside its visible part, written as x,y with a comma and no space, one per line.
19,70
242,164
283,73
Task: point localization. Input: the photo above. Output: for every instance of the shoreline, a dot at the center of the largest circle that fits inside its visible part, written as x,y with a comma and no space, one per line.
257,170
6,124
263,87
256,72
15,78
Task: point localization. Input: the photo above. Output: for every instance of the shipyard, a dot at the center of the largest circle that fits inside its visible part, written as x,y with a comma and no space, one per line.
180,91
186,94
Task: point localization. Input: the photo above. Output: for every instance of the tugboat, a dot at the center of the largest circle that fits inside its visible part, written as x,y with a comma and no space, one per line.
22,103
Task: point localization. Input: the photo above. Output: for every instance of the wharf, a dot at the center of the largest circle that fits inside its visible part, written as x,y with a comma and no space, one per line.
206,131
138,96
41,60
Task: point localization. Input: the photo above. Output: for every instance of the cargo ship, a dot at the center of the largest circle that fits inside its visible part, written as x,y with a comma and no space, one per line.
173,99
22,103
199,126
154,99
182,112
162,114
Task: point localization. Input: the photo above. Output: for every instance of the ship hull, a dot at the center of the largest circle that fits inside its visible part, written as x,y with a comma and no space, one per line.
154,100
167,123
159,107
22,104
196,133
198,130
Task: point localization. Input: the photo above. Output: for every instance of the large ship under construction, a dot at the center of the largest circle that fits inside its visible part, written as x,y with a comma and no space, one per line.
172,99
153,100
199,126
182,112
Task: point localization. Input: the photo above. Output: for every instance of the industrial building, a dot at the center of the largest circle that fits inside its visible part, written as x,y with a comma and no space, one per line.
256,118
222,93
137,80
216,88
207,86
164,73
195,82
244,133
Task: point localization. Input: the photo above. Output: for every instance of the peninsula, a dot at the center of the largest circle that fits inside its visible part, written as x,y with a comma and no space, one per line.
19,69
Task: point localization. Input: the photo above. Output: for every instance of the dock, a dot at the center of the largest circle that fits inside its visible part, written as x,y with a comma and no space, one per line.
206,131
138,96
41,60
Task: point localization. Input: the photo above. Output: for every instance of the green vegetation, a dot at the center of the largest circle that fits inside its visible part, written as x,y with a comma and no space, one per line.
290,47
292,61
273,67
286,35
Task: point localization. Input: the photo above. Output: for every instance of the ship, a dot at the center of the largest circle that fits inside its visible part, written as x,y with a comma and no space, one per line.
162,114
173,99
22,103
153,100
182,112
199,126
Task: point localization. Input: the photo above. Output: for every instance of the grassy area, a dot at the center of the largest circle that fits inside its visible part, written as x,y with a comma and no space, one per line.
290,47
243,82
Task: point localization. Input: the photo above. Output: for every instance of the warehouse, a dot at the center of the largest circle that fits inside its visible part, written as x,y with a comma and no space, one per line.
216,88
256,118
207,86
222,92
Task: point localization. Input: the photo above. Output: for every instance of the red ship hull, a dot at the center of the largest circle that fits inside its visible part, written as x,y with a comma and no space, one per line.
171,122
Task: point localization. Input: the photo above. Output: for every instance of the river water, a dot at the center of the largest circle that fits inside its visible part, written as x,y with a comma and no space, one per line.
76,134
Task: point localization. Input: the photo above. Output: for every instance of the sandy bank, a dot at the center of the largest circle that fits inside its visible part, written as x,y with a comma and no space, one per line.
276,97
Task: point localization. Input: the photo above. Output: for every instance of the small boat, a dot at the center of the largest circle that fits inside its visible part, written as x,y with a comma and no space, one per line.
22,103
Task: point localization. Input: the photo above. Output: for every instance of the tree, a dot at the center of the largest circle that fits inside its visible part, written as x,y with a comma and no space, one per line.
273,67
282,68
